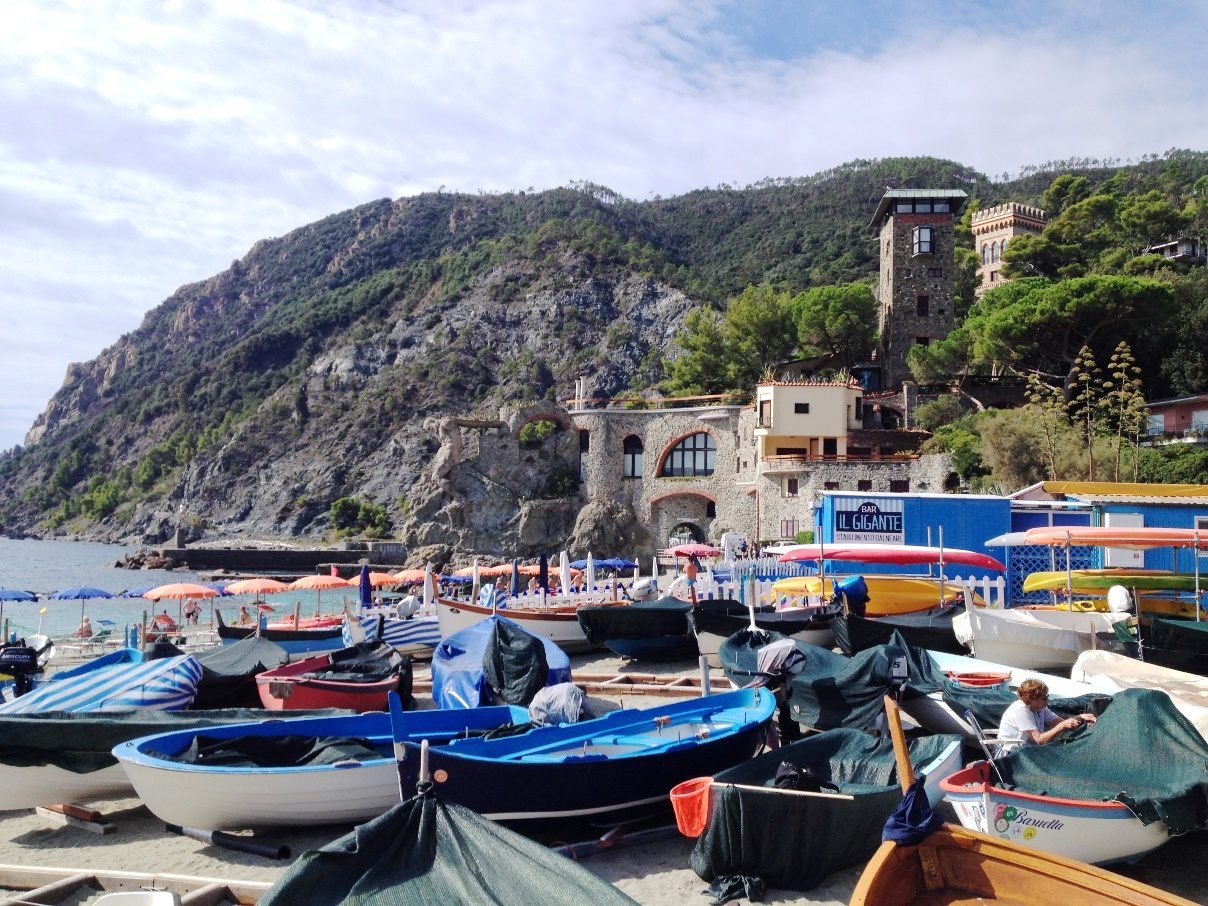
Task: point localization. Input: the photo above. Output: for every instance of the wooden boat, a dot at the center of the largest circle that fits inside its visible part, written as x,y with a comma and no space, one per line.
57,757
790,838
298,642
715,620
1035,639
555,621
354,783
959,867
1112,794
887,595
52,886
1113,672
169,684
953,866
416,636
358,678
930,629
626,760
654,630
495,661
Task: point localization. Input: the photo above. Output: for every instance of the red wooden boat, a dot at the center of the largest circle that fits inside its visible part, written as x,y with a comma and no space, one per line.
359,678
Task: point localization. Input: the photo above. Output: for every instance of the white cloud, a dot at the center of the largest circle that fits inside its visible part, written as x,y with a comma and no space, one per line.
148,144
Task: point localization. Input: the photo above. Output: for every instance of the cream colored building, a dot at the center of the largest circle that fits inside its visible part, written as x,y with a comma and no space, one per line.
806,419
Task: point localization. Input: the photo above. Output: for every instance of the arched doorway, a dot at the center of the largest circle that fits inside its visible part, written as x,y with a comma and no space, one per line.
685,533
684,516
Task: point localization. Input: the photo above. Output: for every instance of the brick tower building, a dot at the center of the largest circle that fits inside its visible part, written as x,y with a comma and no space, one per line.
992,229
915,289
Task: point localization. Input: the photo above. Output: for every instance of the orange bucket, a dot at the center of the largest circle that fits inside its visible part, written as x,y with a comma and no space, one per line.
691,800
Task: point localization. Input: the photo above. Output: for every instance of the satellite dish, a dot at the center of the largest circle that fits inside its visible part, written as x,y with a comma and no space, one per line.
1118,599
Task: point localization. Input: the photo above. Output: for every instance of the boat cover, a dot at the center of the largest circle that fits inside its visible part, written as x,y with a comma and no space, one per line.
724,617
251,655
467,665
1142,752
83,743
794,842
653,619
366,662
166,685
1182,644
425,851
1057,630
291,750
931,629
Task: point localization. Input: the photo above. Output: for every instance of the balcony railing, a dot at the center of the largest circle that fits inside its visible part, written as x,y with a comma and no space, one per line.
794,462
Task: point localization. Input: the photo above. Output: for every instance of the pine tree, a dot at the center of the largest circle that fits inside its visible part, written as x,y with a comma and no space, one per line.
1123,398
1084,403
1049,406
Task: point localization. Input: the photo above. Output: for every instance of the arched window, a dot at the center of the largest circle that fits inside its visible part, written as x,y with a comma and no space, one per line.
696,454
993,251
633,449
985,253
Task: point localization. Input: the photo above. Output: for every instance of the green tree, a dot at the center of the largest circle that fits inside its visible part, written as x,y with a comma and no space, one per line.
1065,190
1151,218
1052,423
836,320
757,333
702,367
1028,255
1123,399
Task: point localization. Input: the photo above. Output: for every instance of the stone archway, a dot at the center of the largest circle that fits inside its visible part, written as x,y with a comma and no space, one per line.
681,513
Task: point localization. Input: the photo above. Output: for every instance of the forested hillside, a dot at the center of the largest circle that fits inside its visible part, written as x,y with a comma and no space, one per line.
303,374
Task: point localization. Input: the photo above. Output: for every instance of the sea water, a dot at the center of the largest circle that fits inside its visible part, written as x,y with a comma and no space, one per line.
47,566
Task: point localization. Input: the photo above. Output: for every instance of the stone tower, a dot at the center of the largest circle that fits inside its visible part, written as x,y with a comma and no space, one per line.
917,239
992,229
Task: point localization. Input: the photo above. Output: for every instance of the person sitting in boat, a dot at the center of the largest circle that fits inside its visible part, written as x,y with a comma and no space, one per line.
1029,722
245,617
85,630
533,586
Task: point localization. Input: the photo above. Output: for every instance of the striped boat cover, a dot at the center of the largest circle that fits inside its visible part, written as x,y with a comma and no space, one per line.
168,684
399,633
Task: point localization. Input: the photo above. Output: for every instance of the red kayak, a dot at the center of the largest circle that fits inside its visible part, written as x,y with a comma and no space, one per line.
359,678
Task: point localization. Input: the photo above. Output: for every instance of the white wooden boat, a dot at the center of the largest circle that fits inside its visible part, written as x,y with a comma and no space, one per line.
1034,639
217,796
1090,831
555,620
1111,672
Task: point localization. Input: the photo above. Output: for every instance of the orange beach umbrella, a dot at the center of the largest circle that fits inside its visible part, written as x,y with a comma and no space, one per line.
180,590
258,586
321,582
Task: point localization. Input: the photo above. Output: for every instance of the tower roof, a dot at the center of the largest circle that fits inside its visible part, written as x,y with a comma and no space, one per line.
957,196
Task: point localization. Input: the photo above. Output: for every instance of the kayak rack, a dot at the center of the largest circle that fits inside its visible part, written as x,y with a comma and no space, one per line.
56,885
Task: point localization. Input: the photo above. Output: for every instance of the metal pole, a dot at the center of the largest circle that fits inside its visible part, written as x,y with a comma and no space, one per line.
943,576
1195,555
1069,575
705,688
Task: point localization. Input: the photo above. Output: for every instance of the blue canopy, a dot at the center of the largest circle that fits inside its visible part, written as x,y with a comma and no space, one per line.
136,592
609,563
16,594
79,593
457,580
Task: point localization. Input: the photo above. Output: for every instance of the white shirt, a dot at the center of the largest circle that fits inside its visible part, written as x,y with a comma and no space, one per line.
1019,718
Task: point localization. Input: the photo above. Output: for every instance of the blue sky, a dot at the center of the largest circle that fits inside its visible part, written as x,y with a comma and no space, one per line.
145,145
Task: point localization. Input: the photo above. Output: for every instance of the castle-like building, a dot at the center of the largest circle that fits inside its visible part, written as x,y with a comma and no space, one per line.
993,228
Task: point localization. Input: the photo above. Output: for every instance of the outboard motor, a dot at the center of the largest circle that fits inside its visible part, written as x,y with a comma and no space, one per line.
855,590
21,662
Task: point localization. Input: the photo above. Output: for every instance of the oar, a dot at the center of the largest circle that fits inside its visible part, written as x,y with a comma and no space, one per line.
901,753
398,732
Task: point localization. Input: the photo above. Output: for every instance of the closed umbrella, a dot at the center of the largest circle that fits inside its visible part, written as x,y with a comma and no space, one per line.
543,574
365,587
514,585
564,572
477,583
429,589
591,572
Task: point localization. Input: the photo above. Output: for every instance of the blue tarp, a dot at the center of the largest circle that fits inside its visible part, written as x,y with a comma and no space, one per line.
458,675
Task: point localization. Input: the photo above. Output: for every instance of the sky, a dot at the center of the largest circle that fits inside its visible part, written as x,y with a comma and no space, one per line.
145,145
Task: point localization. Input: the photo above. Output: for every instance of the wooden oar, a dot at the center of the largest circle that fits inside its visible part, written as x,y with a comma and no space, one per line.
901,752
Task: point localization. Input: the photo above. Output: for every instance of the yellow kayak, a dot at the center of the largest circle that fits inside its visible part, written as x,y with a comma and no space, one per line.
1169,607
887,595
1089,581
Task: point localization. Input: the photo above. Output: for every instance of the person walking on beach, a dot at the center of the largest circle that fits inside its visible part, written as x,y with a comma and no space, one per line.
1030,721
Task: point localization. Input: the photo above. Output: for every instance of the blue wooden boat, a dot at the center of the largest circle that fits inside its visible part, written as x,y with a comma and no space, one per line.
296,642
169,684
625,760
494,660
656,630
295,772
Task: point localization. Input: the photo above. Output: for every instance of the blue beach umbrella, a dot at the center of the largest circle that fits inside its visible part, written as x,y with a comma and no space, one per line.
578,564
136,592
80,593
365,588
16,594
543,573
514,587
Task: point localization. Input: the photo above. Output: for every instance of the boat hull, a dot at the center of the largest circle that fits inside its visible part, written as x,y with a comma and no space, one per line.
30,786
855,633
558,624
1031,639
959,866
284,689
298,642
1089,831
610,766
806,625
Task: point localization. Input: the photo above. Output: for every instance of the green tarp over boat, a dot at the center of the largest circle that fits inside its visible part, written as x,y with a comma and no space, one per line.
1142,752
424,852
796,841
664,617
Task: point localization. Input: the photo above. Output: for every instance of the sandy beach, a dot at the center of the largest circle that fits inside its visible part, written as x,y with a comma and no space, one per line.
653,873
